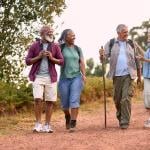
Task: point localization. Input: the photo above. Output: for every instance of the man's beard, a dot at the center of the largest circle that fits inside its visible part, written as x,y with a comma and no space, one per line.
48,38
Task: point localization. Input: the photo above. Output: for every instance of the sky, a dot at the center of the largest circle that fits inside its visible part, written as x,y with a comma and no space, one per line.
94,21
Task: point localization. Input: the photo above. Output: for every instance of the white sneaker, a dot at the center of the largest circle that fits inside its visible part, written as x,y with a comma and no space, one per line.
147,123
38,127
47,128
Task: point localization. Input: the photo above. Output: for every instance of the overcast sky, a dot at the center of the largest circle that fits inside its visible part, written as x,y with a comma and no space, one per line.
94,21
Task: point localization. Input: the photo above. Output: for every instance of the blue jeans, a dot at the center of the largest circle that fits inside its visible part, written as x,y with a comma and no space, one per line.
70,91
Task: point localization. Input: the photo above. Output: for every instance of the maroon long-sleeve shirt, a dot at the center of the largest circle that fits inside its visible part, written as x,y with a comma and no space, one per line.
34,51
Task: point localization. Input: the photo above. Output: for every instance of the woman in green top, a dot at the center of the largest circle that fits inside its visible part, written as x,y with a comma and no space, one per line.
72,78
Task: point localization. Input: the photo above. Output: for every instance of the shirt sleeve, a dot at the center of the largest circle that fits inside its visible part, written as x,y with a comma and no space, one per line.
29,55
80,53
59,54
107,50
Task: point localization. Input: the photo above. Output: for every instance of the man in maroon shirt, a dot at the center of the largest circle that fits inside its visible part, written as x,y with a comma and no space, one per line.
43,55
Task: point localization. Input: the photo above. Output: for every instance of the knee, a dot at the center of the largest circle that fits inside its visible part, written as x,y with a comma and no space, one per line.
38,101
49,103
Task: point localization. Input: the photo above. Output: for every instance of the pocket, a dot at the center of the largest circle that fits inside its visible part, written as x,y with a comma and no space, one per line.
131,89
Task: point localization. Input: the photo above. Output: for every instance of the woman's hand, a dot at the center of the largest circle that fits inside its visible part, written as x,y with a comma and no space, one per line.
84,78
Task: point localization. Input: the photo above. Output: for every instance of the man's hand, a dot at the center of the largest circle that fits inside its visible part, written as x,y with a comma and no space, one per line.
101,53
49,55
41,54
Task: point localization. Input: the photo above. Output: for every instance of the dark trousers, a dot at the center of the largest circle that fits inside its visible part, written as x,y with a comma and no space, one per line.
123,91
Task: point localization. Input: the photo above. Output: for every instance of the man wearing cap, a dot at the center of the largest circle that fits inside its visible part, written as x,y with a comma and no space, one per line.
43,55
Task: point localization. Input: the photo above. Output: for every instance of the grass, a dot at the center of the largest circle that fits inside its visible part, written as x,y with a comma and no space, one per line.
11,124
23,122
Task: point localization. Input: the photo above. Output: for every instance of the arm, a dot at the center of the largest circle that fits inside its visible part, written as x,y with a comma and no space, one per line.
138,52
30,59
138,48
35,59
146,60
58,59
142,58
82,68
82,64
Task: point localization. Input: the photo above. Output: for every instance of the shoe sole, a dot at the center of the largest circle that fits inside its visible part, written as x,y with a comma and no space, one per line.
48,131
35,131
124,128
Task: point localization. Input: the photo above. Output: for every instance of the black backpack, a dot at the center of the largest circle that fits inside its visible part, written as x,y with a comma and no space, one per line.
112,41
62,46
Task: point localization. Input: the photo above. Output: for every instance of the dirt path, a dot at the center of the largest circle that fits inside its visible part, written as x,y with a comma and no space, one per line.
90,134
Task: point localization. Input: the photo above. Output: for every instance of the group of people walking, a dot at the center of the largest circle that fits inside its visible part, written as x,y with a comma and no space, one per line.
124,56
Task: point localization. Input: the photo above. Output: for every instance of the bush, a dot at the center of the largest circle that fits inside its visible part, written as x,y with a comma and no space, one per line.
94,89
14,99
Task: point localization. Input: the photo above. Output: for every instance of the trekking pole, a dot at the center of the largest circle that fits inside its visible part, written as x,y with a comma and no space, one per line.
104,89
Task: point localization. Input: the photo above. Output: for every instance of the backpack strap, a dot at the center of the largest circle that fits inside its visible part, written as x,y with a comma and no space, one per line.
111,43
133,47
77,49
131,43
62,46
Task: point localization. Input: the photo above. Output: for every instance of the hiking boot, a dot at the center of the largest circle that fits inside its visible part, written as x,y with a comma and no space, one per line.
47,128
147,123
67,117
38,127
72,126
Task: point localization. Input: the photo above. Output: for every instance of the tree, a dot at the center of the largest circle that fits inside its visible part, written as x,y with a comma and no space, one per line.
139,33
18,19
90,65
98,72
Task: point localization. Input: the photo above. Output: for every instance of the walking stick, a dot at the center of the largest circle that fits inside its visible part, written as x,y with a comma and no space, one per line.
104,88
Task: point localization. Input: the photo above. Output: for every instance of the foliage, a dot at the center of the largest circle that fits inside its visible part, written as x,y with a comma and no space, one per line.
98,72
90,65
14,99
93,89
18,19
139,33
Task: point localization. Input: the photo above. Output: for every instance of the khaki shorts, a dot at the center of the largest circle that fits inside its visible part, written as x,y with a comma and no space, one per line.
44,89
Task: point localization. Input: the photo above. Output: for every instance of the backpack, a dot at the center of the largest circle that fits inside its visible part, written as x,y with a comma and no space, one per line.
112,41
62,46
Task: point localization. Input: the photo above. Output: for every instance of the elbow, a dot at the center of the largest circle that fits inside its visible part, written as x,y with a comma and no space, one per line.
61,63
28,62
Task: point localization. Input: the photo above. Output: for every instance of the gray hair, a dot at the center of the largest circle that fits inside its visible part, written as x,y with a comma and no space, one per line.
63,36
120,27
